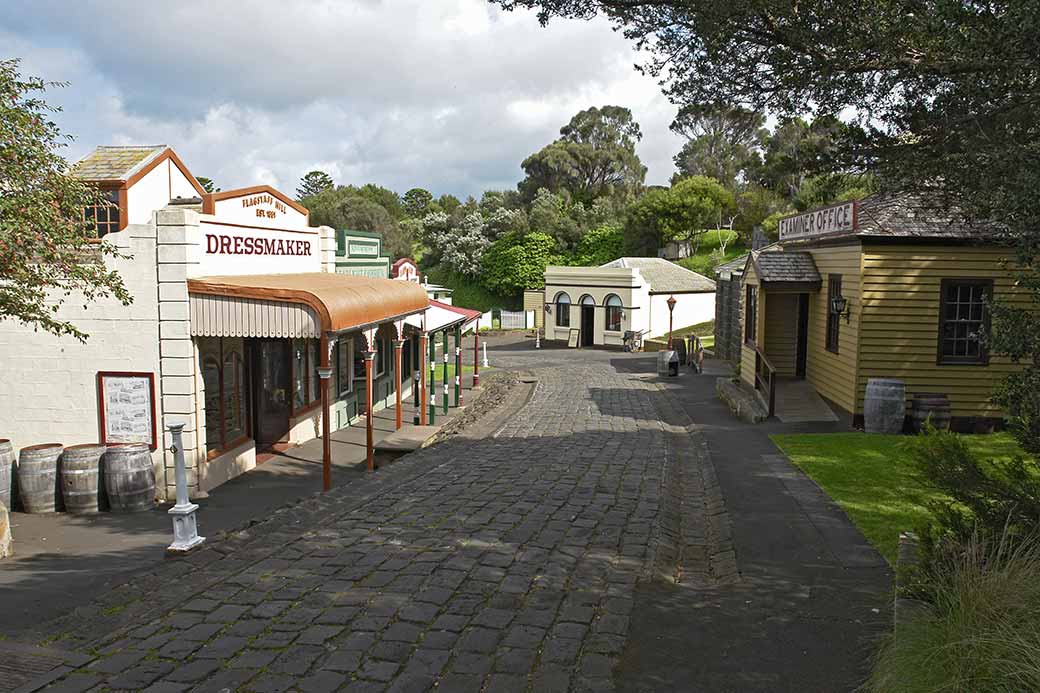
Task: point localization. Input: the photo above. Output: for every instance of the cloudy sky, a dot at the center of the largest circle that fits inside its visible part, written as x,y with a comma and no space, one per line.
449,95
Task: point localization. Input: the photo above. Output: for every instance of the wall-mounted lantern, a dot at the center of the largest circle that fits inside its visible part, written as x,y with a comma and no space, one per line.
840,307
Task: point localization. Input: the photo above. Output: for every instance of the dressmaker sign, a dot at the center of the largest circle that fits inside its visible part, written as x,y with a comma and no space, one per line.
257,231
839,218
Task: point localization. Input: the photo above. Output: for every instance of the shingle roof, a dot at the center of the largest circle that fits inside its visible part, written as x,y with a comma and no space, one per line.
786,267
665,276
115,163
912,215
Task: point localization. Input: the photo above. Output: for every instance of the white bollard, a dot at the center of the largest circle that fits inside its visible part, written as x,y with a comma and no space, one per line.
485,364
185,529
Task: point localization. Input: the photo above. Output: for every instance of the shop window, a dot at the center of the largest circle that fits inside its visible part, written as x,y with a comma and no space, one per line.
963,320
211,383
563,310
751,315
379,367
104,217
360,346
223,379
833,318
233,397
344,366
305,373
613,304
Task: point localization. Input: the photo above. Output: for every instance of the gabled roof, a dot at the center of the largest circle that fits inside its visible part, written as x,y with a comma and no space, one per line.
786,269
665,276
116,163
209,200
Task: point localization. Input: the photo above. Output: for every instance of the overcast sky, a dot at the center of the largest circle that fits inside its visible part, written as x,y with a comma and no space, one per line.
449,95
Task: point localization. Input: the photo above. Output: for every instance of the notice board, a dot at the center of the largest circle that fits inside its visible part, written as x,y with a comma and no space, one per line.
126,407
572,337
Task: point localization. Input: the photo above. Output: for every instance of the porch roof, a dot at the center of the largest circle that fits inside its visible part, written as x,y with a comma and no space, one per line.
297,305
786,270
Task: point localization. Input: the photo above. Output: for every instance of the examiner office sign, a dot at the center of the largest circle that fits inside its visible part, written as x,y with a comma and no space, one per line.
838,218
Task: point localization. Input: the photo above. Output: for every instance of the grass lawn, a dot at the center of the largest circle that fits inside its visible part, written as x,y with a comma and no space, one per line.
438,373
872,478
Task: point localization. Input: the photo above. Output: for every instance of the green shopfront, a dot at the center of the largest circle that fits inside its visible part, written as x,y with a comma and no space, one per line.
360,253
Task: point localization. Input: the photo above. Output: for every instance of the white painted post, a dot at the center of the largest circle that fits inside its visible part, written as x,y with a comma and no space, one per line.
185,528
485,363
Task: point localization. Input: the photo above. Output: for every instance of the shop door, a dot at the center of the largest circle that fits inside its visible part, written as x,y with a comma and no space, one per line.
803,334
271,391
588,322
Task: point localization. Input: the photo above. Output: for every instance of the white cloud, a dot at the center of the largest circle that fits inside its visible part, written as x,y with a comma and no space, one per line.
450,95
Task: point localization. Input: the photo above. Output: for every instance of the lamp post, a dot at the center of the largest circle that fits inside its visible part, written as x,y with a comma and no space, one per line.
671,309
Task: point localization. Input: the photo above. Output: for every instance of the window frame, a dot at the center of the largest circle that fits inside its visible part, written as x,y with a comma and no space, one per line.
751,315
310,400
115,206
563,315
613,310
344,345
987,294
218,356
832,335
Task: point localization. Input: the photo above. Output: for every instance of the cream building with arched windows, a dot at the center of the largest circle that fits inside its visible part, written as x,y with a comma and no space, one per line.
628,294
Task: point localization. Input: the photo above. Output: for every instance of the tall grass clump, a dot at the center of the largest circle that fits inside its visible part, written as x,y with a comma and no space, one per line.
980,630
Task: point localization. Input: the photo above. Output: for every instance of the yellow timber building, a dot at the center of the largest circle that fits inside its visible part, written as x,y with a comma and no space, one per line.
877,288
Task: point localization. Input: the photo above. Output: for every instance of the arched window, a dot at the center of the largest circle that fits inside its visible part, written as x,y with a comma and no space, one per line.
225,395
613,304
587,300
563,310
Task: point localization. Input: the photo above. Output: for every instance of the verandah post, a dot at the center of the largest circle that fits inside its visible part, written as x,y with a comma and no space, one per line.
369,442
421,403
398,346
458,365
433,374
444,376
476,353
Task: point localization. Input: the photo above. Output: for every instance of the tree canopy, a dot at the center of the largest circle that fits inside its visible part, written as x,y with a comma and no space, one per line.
594,156
48,250
722,142
313,183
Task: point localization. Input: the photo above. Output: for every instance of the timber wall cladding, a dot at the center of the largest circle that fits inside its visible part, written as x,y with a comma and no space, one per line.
781,320
901,292
834,375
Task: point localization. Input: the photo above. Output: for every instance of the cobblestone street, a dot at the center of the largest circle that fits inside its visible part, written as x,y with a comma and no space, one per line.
501,563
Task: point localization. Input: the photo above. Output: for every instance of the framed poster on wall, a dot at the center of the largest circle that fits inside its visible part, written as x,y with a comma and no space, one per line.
126,406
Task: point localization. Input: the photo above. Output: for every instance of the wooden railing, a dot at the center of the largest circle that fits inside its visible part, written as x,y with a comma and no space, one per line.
765,380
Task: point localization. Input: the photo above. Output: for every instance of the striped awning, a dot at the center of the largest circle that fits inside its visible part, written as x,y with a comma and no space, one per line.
213,315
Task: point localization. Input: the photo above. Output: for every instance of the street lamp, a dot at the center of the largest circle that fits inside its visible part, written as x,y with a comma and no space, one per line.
671,309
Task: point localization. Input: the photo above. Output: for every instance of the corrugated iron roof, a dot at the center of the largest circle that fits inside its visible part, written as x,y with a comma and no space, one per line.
341,301
115,163
665,276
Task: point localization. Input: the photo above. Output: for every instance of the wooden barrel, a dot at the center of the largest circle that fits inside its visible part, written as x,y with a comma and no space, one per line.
129,478
79,478
931,407
38,485
884,407
6,472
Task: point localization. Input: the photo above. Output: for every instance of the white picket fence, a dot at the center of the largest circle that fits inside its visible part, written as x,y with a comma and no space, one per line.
513,319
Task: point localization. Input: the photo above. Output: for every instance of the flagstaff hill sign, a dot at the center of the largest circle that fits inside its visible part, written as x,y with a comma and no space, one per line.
839,218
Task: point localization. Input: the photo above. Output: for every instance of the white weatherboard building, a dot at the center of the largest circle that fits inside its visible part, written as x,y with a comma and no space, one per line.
628,294
236,303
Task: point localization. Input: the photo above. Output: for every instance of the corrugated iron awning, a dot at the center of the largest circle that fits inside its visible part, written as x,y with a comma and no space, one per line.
297,305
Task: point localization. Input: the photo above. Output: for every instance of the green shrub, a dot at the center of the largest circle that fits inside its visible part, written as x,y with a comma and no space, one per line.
981,631
469,293
986,496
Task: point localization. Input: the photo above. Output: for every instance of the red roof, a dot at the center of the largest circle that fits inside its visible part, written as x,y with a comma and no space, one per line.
394,268
469,313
